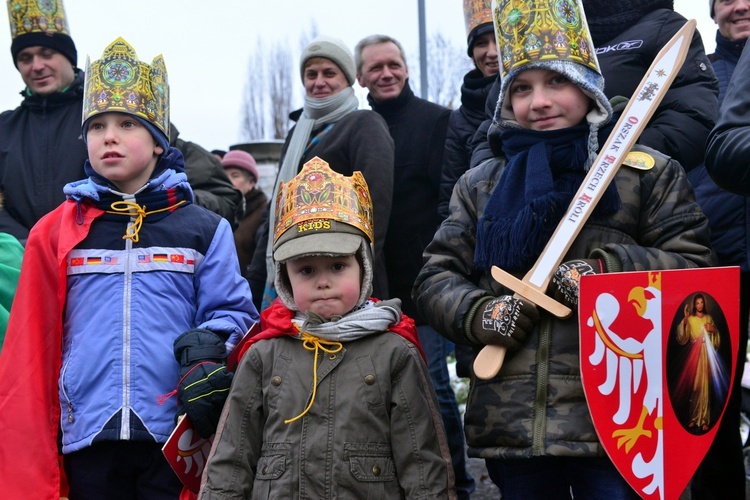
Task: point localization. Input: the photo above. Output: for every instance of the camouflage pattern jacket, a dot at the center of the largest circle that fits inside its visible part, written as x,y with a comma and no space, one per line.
536,405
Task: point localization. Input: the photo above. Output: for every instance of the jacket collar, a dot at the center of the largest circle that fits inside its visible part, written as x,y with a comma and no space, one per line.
169,172
74,93
728,49
475,89
392,107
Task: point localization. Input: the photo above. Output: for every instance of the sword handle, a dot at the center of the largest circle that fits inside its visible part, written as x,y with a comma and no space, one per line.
490,359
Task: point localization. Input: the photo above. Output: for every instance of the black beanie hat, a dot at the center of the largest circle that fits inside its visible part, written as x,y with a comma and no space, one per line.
476,33
58,41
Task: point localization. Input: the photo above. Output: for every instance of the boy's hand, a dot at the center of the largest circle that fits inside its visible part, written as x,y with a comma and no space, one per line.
504,321
567,279
204,380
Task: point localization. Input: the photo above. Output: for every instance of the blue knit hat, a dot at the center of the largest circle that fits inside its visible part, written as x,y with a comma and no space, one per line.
560,44
588,80
158,135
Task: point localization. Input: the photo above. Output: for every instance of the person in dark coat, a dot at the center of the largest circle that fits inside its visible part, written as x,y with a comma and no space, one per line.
330,126
41,148
722,472
627,36
465,120
731,36
418,129
243,172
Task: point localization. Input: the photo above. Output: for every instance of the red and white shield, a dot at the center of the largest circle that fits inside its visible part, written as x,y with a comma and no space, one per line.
658,351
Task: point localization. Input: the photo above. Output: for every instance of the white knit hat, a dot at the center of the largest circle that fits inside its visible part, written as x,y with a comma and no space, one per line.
333,49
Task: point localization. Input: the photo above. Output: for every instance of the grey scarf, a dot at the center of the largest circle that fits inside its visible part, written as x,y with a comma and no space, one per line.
315,114
368,319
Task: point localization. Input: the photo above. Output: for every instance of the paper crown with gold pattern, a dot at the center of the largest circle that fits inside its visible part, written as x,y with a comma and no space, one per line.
319,201
476,13
120,82
478,19
547,34
40,23
542,30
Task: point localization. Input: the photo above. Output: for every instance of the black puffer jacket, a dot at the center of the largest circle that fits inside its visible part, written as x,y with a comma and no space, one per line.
462,125
728,213
728,151
681,123
41,150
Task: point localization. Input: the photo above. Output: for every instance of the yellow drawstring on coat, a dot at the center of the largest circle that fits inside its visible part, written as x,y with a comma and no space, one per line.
315,344
133,209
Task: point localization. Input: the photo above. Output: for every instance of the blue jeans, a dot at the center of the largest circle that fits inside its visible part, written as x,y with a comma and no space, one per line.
590,478
436,348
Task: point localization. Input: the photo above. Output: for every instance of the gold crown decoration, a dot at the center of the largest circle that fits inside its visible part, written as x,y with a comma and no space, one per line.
319,193
120,82
476,13
530,31
37,16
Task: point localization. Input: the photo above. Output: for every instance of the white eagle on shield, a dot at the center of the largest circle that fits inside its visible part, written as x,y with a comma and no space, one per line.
629,363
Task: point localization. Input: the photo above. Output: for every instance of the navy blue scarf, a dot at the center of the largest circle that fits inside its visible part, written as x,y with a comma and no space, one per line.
159,202
544,171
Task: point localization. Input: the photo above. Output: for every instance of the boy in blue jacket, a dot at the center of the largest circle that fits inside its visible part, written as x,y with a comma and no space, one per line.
141,292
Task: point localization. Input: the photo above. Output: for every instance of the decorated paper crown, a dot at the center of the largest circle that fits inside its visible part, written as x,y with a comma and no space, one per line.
319,193
120,82
530,31
34,16
40,23
476,13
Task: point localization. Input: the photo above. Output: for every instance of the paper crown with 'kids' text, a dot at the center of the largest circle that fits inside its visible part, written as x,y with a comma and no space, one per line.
530,31
476,13
120,82
319,193
37,16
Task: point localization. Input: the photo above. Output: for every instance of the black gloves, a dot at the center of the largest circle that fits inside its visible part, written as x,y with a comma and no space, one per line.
566,280
204,380
504,321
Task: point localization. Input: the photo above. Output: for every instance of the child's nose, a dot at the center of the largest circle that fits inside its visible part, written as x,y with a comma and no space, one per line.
110,135
539,99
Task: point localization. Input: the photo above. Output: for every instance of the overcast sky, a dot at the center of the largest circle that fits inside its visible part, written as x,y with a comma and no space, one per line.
207,50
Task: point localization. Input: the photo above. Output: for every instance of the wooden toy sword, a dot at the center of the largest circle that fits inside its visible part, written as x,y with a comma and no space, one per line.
633,120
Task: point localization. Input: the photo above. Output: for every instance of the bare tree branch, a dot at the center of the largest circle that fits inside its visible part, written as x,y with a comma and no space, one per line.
267,99
254,110
280,89
446,66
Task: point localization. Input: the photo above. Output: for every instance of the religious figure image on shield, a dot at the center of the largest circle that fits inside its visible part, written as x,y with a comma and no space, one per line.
698,362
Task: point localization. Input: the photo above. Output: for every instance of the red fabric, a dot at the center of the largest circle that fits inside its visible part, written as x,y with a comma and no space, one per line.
276,321
31,357
186,494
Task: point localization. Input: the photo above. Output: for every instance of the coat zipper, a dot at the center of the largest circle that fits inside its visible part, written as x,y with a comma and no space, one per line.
542,382
126,297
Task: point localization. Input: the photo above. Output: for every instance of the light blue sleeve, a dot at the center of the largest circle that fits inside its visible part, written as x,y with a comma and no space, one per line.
224,301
